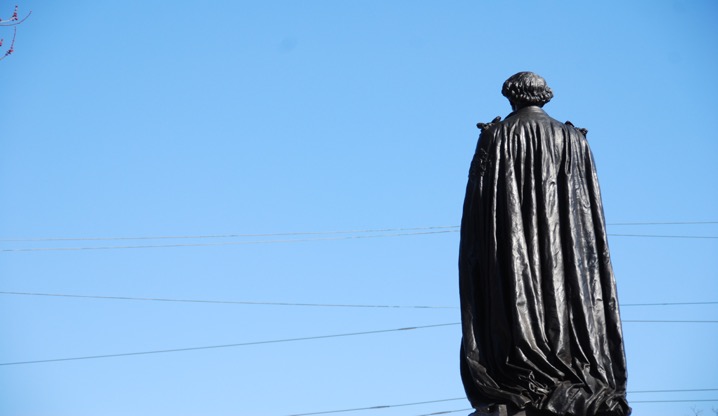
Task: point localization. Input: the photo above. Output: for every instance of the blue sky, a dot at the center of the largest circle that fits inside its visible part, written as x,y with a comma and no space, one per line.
126,119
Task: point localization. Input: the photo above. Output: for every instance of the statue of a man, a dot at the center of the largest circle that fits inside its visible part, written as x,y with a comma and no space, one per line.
540,319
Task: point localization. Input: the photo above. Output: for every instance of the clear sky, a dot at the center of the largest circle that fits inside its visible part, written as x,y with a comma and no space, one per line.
220,120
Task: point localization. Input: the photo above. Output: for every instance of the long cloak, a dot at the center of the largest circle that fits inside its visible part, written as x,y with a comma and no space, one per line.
540,317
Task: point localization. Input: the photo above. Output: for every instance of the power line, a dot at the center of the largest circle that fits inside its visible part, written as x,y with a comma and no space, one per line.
664,236
387,406
283,234
334,305
446,229
669,391
327,305
663,223
242,344
446,412
668,304
303,240
648,321
674,401
301,233
295,303
226,243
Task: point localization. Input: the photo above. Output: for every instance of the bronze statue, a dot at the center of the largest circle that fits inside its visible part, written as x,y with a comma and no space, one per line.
541,326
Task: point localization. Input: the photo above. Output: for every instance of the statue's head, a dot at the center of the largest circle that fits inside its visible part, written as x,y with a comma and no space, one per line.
526,88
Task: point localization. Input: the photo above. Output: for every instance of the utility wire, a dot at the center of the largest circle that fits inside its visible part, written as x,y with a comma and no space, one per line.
446,412
668,304
663,223
329,305
664,236
392,233
670,391
226,243
333,305
387,406
242,344
674,401
304,240
166,237
301,233
649,321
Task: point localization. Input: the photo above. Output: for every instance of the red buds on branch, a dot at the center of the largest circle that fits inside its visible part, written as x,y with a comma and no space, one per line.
14,20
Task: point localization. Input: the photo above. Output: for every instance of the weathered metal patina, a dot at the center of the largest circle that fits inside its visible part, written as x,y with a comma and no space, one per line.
540,318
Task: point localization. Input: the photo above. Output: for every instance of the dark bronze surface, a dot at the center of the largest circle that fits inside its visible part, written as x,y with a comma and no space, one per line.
540,318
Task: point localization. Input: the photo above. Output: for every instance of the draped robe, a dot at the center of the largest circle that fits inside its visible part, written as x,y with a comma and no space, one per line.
540,317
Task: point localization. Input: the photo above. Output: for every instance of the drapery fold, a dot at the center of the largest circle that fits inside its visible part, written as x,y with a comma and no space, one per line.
540,318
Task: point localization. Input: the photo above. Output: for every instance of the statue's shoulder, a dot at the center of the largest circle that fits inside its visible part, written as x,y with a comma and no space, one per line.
487,126
579,129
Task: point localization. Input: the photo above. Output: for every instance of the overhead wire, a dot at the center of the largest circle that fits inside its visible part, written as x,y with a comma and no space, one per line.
282,234
669,321
327,305
665,236
670,391
675,401
226,243
444,229
446,412
240,344
303,240
243,344
663,223
230,302
669,304
388,406
346,335
300,233
386,232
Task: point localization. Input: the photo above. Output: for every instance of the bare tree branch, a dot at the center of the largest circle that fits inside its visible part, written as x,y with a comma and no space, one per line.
13,21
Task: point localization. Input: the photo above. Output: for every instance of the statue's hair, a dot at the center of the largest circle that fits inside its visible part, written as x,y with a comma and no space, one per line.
527,88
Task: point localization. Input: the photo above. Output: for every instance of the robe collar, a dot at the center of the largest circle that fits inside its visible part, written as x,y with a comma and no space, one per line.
531,109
